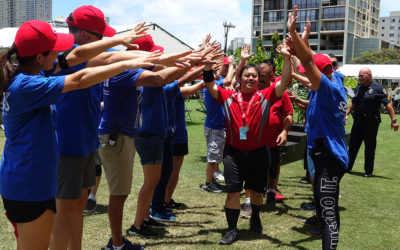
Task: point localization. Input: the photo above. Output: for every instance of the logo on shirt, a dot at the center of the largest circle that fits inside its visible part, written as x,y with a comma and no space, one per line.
370,91
6,106
343,106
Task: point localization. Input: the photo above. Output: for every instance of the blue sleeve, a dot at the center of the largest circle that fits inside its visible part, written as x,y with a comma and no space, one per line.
41,91
171,89
127,78
329,89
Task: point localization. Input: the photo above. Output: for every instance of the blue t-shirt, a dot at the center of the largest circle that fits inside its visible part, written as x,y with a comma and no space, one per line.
28,170
78,117
326,114
215,118
180,135
120,103
171,90
338,76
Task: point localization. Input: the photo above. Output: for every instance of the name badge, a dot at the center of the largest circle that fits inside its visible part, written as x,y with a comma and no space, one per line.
243,132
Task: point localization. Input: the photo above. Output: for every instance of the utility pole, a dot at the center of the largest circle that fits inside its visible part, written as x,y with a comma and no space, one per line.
226,28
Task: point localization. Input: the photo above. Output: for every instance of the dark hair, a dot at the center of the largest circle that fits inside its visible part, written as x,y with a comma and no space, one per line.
249,66
8,66
270,62
331,55
72,29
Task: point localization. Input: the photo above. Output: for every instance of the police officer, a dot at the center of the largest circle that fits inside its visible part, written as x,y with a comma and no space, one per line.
365,110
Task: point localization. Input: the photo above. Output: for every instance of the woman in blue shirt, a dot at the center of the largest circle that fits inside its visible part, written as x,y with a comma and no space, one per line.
28,171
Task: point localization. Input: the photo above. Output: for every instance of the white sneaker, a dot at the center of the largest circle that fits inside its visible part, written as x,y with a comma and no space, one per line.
219,176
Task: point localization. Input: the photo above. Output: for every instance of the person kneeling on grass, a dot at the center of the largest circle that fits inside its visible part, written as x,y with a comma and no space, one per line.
246,154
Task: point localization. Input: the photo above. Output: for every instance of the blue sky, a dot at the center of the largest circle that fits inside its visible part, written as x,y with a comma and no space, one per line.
189,20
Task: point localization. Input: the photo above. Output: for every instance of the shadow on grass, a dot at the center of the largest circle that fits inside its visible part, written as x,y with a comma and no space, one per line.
199,224
373,176
101,209
302,230
179,242
189,123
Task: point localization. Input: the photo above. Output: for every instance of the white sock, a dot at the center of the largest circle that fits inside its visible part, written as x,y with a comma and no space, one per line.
271,190
118,248
248,200
92,197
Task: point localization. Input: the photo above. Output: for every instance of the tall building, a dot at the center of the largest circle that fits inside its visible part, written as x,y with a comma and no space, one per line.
237,42
15,12
390,27
340,27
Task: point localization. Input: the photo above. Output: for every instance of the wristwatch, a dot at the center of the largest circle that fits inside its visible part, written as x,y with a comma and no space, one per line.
394,120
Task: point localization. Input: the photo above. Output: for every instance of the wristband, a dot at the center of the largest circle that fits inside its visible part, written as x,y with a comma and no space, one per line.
394,120
208,76
62,59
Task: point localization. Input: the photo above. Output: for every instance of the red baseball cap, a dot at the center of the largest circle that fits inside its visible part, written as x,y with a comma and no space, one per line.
36,36
88,17
225,60
147,44
321,61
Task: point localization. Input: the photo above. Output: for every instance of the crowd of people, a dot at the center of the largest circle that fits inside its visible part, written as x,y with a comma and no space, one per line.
66,114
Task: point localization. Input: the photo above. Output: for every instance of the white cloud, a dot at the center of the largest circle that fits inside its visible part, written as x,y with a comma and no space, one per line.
189,20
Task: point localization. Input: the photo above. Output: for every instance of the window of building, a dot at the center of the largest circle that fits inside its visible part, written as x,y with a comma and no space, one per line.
257,21
364,4
273,16
391,35
257,10
383,27
382,35
391,27
393,20
383,20
273,5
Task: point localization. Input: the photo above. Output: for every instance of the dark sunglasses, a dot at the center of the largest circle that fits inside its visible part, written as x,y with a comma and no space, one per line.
99,36
334,63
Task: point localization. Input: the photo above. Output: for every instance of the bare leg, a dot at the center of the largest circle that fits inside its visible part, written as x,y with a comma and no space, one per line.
211,168
115,215
173,180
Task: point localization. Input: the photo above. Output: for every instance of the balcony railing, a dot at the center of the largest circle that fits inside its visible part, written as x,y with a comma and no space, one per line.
334,27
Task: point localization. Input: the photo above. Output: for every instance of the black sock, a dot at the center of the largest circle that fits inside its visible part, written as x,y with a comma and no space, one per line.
232,217
255,209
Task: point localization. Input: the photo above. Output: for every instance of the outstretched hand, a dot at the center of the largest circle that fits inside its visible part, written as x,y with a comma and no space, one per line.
245,53
291,22
306,32
136,33
145,61
283,50
176,59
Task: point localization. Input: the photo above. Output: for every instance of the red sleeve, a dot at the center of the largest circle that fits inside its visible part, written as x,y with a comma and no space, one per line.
223,95
269,94
287,108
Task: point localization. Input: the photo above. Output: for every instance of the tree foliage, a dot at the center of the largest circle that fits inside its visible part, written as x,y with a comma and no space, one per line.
385,56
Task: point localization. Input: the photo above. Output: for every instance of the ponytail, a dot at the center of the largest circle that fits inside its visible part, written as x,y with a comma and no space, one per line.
7,69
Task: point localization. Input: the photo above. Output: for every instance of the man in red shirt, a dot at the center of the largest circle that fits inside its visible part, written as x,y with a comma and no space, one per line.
246,153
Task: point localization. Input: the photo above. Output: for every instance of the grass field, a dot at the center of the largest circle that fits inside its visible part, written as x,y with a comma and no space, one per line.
369,207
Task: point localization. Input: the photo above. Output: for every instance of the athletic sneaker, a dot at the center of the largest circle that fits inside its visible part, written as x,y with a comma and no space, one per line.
142,231
161,216
219,176
127,245
246,211
368,175
153,223
231,236
278,196
211,187
305,180
90,206
312,221
173,205
315,232
309,206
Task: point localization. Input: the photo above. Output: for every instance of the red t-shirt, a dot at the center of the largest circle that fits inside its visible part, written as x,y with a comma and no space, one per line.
257,117
279,110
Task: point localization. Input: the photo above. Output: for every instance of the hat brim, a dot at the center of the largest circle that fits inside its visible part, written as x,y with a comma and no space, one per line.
63,42
156,47
301,69
109,31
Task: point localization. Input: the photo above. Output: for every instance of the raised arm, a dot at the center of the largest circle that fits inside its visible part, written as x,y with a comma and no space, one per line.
190,76
91,76
303,52
286,79
303,80
244,56
231,72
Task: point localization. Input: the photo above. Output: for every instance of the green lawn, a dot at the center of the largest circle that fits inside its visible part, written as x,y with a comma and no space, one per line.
369,207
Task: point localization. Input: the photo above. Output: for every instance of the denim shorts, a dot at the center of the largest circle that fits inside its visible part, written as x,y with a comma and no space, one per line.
150,148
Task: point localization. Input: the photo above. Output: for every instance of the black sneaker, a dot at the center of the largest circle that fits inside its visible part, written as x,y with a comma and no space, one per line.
231,236
312,221
309,206
368,175
153,223
127,245
255,224
305,180
211,187
143,231
90,206
315,232
173,205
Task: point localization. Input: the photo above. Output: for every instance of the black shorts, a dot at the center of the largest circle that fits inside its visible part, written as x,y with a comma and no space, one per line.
181,149
250,167
27,211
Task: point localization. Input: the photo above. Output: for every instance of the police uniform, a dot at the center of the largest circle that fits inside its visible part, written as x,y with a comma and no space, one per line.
366,114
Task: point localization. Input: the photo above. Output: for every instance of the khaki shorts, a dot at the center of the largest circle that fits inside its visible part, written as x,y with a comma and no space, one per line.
215,139
118,163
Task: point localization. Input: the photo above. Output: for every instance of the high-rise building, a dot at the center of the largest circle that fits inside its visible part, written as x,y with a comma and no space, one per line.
15,12
237,42
344,28
389,29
